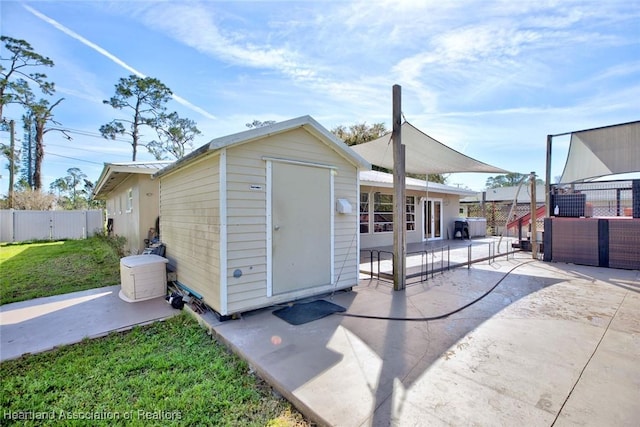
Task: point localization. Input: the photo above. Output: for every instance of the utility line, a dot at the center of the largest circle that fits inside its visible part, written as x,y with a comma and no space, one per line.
92,135
73,158
85,133
85,149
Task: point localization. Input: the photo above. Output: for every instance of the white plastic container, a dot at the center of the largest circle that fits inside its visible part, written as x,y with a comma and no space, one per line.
142,277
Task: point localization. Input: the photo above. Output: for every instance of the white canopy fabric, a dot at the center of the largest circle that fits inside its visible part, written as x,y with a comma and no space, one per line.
423,154
603,151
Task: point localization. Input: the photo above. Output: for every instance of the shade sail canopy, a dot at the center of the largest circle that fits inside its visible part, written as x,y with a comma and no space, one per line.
423,154
603,151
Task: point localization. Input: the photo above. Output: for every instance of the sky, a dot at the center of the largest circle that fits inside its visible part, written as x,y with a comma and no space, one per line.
489,78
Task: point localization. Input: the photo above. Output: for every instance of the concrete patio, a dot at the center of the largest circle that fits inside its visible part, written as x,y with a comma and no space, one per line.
553,344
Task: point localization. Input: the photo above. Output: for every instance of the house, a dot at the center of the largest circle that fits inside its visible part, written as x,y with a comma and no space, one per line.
131,197
264,216
431,209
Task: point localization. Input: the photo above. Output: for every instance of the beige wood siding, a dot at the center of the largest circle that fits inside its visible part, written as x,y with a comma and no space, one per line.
451,211
247,223
190,226
147,204
133,224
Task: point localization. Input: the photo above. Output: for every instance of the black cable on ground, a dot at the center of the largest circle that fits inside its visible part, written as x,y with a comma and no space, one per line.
441,316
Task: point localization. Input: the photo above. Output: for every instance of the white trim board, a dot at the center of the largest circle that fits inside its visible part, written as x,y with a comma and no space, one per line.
222,170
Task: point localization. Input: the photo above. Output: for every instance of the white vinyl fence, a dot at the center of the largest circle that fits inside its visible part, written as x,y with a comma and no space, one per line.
18,226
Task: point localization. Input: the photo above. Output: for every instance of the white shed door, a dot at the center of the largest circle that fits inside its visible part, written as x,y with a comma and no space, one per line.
301,226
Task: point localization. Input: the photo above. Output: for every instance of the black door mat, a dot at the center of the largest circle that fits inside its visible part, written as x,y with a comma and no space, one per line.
301,313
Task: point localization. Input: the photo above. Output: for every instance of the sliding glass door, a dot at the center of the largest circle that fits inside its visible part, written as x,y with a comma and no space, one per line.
432,219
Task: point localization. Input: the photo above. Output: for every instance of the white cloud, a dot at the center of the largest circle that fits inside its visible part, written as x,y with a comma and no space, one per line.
195,25
110,56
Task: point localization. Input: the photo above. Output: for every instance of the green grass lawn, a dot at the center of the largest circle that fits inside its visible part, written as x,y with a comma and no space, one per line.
35,270
170,372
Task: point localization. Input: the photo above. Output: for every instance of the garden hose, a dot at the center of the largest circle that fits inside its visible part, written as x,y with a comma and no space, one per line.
441,316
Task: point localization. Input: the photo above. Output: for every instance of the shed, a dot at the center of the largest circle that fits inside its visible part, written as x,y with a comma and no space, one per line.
264,216
132,200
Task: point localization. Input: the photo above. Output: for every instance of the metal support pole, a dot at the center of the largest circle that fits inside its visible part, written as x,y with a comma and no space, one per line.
547,180
534,222
371,263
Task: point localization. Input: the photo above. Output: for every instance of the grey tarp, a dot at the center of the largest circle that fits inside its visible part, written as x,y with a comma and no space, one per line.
423,154
603,151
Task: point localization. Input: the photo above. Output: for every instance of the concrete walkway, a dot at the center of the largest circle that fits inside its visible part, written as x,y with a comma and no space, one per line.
44,323
554,344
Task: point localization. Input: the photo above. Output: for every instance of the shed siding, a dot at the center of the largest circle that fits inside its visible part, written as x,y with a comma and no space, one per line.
190,226
247,222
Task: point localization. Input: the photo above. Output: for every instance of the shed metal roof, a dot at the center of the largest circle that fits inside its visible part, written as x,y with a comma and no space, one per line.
114,174
507,194
306,122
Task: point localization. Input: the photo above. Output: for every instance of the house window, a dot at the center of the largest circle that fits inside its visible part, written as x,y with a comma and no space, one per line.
129,200
382,212
364,212
410,209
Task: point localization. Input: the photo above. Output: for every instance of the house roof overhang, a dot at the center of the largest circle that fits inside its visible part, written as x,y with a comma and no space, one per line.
114,174
385,180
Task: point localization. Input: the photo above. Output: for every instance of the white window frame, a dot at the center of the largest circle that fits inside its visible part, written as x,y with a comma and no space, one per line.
382,226
365,210
129,200
410,213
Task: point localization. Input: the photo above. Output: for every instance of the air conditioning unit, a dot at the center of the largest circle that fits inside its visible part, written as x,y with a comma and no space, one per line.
143,277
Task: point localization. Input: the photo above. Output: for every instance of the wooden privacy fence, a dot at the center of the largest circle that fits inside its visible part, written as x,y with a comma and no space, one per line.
19,226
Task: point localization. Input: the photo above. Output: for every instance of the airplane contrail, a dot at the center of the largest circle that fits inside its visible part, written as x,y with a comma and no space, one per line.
112,57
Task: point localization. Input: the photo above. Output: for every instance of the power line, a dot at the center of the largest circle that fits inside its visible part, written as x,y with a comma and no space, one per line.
92,135
87,150
85,133
73,158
